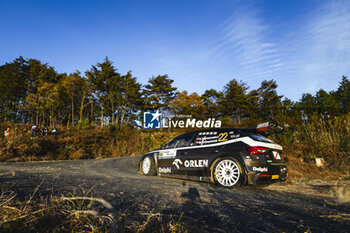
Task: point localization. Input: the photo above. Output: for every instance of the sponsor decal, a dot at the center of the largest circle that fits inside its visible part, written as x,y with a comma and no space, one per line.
206,140
234,135
167,154
196,163
191,163
260,169
164,170
262,126
276,155
177,162
154,120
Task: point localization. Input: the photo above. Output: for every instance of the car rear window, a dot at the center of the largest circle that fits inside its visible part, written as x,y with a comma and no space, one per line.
261,139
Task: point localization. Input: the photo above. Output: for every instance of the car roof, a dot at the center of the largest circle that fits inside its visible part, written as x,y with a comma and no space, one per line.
250,131
220,129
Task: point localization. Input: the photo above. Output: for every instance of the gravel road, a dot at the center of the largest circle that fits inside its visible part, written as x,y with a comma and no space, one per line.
205,207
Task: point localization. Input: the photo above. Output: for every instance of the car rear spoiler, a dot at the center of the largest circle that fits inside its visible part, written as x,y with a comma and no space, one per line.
267,128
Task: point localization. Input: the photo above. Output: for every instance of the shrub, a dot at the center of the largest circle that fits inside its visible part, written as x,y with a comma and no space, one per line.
324,138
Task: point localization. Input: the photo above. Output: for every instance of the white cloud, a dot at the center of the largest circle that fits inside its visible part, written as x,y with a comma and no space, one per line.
312,54
321,52
247,46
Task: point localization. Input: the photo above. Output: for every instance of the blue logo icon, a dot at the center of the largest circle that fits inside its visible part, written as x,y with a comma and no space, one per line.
152,120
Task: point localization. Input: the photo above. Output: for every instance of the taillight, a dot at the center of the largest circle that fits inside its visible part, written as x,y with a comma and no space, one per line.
255,150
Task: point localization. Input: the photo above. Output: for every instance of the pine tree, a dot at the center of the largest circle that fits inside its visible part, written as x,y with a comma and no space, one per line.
234,101
268,100
159,92
188,105
98,77
211,100
343,95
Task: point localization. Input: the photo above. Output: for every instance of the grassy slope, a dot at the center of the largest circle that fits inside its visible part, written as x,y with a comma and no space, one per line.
302,143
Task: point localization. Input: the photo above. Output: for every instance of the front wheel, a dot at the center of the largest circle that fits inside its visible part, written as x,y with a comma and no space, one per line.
148,167
228,173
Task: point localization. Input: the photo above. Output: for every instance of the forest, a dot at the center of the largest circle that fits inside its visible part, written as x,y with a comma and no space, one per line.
33,92
100,112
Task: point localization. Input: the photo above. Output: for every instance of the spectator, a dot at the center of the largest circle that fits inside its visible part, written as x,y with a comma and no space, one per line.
54,131
33,130
7,132
45,131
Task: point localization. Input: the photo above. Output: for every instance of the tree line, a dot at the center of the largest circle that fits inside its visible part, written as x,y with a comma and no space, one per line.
34,92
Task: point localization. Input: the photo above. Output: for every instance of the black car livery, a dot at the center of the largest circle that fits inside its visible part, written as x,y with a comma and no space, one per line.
229,157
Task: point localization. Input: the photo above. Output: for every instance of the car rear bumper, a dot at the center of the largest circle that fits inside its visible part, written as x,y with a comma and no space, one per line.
273,173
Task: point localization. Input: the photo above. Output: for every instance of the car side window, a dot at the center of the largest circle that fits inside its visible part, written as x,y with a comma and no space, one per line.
180,141
172,144
185,139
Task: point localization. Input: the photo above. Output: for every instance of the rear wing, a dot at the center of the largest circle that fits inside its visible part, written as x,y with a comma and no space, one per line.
267,128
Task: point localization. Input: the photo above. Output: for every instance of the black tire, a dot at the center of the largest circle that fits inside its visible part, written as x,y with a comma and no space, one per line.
228,172
148,167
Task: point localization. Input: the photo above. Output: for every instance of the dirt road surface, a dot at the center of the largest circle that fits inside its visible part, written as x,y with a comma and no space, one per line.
205,207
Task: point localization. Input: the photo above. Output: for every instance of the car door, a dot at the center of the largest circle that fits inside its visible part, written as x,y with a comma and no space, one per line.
200,156
182,162
170,161
165,157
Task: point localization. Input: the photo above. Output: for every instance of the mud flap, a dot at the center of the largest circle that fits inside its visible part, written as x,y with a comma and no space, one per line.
252,177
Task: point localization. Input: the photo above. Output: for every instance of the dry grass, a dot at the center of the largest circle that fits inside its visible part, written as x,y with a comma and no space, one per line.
73,214
320,138
73,144
299,169
328,139
50,215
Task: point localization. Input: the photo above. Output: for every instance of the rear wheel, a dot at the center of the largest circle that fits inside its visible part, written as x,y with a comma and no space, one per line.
148,166
228,173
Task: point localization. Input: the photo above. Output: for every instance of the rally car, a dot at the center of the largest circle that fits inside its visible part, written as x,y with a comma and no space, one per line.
228,157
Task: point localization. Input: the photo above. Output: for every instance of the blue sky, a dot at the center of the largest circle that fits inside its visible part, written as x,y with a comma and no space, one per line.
201,44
